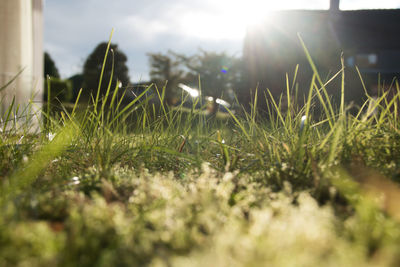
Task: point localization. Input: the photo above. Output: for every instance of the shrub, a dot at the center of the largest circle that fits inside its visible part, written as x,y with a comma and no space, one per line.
60,90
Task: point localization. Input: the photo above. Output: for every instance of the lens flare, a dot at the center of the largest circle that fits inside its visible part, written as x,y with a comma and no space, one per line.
229,20
192,92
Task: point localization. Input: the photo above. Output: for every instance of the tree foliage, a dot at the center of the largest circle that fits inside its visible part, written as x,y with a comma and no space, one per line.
50,68
93,65
60,91
77,82
166,70
218,74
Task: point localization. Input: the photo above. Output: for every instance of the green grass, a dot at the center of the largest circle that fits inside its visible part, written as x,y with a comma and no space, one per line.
142,184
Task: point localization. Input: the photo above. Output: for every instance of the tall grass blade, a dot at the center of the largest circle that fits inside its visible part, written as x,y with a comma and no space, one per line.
127,107
342,86
237,121
12,80
326,104
9,112
24,177
102,72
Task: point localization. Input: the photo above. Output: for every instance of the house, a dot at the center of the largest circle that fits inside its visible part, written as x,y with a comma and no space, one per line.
369,39
21,48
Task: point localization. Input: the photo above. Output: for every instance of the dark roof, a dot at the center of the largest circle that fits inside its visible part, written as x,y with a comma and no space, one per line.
361,30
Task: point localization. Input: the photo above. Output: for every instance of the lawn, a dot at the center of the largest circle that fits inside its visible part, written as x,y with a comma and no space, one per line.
136,185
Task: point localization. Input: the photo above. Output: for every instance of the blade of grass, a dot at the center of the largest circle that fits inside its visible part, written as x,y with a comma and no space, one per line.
102,72
342,86
278,110
126,108
238,123
12,80
24,177
326,104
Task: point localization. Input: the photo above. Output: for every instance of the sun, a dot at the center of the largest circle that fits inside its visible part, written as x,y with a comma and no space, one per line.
227,19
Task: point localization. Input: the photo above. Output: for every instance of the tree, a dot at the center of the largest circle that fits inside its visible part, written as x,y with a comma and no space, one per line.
76,81
220,74
50,68
165,70
93,65
60,90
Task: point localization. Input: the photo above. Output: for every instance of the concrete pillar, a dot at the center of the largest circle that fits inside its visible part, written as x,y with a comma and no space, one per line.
21,47
38,56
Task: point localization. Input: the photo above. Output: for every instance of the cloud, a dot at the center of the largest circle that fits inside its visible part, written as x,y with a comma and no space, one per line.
73,28
145,30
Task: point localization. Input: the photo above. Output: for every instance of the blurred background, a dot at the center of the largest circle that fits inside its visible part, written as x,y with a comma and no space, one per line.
228,48
235,46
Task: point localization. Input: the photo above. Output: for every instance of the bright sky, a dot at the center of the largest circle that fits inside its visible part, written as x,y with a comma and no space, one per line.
74,27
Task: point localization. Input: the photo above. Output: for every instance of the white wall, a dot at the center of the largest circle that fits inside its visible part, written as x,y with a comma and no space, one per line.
21,47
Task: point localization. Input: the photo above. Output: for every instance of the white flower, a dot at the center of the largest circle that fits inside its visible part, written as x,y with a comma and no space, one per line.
302,122
75,181
51,136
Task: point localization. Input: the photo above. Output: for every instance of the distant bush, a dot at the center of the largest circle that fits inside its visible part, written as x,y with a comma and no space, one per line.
60,90
50,67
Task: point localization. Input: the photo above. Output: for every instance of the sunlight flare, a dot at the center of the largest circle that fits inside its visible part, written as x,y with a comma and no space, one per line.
229,19
192,92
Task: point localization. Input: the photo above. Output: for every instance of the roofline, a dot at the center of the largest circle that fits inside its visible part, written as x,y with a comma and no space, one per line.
340,11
